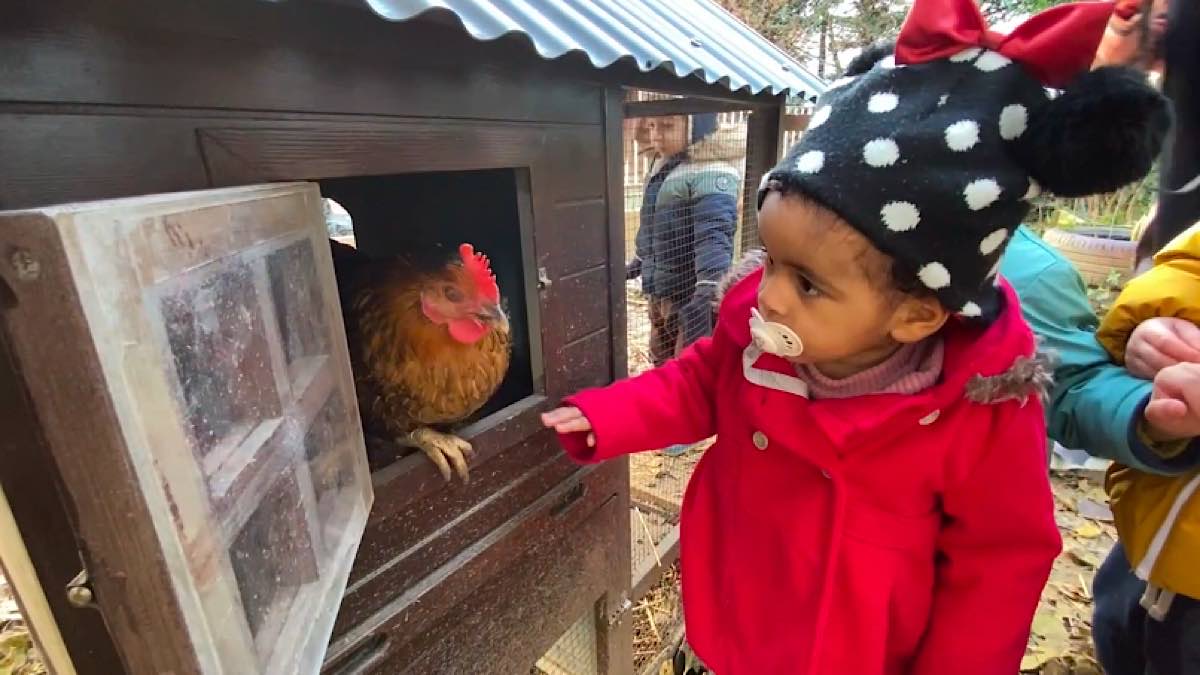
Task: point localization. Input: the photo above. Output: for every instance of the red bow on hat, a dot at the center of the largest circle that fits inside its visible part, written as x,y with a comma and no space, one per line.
1054,45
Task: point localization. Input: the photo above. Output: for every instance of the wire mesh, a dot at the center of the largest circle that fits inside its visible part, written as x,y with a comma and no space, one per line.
575,653
684,215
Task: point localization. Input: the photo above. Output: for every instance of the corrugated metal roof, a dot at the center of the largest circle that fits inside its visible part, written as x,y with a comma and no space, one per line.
686,37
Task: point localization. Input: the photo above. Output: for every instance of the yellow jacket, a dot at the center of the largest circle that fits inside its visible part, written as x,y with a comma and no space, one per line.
1158,517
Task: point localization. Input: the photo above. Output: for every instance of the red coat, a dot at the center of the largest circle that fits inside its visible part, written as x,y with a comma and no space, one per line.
879,534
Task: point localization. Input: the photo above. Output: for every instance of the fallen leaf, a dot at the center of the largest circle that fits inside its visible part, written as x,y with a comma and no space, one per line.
1033,660
1088,531
1094,511
14,651
1083,557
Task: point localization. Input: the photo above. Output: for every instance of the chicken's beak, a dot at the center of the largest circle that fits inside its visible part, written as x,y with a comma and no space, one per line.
494,314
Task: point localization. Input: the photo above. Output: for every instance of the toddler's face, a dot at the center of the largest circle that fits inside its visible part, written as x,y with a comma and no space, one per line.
827,282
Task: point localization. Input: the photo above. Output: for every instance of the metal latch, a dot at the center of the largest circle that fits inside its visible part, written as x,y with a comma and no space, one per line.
79,591
544,281
616,616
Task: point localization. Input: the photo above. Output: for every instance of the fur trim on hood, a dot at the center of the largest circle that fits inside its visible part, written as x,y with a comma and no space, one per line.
1027,376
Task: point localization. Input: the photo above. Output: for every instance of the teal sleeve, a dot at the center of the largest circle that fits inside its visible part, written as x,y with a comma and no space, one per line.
1094,403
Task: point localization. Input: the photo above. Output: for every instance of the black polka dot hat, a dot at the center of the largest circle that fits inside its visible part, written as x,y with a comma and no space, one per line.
934,148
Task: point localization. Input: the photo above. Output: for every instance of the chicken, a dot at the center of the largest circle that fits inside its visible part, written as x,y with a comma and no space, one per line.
428,347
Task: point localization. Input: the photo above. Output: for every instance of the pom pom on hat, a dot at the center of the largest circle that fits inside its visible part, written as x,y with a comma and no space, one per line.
1103,132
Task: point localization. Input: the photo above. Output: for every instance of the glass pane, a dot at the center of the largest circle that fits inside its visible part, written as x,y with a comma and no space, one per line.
228,368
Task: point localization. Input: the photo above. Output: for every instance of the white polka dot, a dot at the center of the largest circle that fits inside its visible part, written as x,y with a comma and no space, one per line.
810,162
900,216
1051,93
1013,119
762,184
992,61
881,103
943,99
881,152
841,82
962,136
971,309
888,62
1033,191
993,241
981,193
935,275
966,55
819,117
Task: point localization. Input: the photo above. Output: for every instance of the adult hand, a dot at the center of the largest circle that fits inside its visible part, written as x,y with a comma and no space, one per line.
1159,343
1173,412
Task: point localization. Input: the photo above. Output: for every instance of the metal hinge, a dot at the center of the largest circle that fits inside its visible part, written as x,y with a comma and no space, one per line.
79,591
623,606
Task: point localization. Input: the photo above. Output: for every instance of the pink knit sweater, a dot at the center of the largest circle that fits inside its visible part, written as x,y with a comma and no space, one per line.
913,368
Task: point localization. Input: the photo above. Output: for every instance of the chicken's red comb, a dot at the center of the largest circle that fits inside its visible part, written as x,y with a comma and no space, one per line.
480,269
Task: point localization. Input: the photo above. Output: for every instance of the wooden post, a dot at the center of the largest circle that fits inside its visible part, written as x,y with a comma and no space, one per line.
763,136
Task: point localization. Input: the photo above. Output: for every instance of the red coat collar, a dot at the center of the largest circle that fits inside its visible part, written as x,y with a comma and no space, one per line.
969,352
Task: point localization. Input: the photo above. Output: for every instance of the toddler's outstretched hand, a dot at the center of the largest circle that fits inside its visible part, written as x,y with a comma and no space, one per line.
1173,412
569,420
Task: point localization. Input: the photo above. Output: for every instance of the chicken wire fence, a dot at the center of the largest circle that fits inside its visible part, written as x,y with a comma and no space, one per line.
687,219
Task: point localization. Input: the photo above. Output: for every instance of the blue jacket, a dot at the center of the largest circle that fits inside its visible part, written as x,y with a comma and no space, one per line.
1095,404
688,218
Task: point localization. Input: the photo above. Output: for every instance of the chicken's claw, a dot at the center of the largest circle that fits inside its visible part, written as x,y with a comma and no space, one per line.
444,450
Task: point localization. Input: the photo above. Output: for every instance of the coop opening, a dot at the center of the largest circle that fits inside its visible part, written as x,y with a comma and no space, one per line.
423,219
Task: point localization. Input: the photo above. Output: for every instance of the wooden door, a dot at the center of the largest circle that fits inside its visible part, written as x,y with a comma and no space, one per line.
186,359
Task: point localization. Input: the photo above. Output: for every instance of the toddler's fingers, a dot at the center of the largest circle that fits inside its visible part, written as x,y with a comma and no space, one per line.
574,425
560,415
591,440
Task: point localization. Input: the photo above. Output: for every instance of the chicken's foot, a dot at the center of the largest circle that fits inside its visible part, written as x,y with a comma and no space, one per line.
444,450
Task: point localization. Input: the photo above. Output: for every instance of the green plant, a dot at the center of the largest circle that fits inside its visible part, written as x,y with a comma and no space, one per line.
1103,295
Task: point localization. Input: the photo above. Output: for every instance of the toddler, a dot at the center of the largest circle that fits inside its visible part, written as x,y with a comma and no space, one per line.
877,500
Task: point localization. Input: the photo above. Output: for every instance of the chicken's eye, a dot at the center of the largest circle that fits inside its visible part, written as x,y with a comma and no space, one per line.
452,294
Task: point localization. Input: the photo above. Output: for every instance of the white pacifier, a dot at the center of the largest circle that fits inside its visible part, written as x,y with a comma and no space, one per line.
774,338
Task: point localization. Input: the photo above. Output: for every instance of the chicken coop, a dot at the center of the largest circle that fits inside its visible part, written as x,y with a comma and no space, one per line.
184,463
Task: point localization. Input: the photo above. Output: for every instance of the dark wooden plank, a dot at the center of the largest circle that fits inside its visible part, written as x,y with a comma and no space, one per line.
277,56
423,622
587,365
575,239
542,594
574,160
401,549
414,480
31,485
50,159
614,158
762,148
681,106
49,335
287,151
579,304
